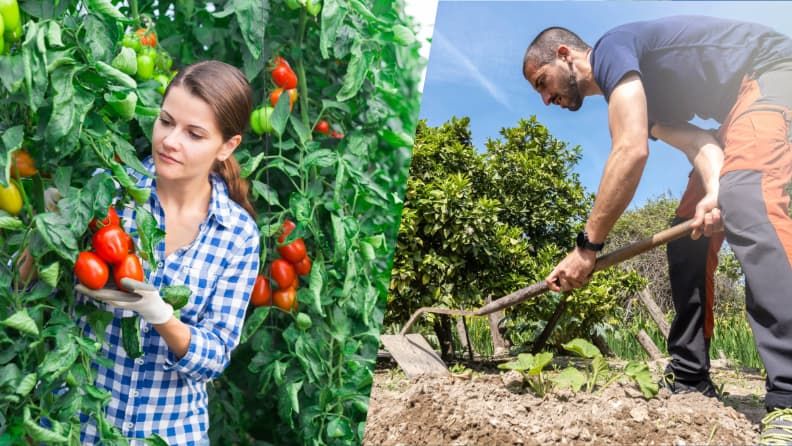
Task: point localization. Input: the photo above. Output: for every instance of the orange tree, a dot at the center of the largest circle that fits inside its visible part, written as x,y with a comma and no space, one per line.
81,83
478,225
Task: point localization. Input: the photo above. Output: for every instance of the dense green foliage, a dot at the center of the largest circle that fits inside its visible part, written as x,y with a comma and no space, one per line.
357,64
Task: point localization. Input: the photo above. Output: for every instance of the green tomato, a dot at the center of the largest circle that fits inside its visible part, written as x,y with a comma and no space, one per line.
293,4
255,123
9,9
131,41
303,321
265,119
164,81
145,69
314,7
163,61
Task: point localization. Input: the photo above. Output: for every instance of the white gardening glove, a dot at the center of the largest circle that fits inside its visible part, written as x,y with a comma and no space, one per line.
51,199
143,299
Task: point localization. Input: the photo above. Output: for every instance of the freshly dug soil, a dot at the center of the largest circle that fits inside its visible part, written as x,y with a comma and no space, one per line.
494,407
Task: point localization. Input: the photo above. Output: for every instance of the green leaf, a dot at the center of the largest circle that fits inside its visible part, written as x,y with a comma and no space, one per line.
122,104
99,320
251,165
403,35
54,35
397,139
571,378
150,235
58,361
303,132
12,140
321,158
39,433
315,284
280,116
130,336
126,61
252,17
105,8
254,322
266,192
640,373
10,223
156,440
583,348
97,37
26,384
339,428
22,322
333,14
327,103
176,295
541,360
355,75
50,274
115,75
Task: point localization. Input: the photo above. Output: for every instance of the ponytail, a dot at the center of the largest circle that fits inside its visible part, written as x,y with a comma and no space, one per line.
238,187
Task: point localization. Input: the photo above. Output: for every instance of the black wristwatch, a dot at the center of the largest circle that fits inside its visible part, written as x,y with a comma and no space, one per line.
583,241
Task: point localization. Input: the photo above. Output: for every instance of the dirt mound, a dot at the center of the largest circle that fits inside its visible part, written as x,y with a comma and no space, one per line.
492,408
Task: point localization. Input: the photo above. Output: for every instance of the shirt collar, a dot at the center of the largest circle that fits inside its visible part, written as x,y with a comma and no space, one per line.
219,202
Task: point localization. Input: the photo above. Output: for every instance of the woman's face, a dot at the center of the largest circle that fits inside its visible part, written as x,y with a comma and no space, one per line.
186,137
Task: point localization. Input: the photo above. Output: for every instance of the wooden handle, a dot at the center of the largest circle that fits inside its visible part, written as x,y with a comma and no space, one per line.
605,261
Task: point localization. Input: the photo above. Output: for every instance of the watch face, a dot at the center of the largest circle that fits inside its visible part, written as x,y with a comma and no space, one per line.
581,240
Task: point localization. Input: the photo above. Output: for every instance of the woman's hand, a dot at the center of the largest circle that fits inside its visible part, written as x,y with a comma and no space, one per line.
143,299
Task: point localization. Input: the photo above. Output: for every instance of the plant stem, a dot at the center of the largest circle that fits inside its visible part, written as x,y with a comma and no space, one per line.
302,86
133,6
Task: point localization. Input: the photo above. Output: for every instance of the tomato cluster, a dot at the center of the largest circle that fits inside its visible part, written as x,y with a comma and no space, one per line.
286,80
323,127
285,271
10,25
112,247
146,60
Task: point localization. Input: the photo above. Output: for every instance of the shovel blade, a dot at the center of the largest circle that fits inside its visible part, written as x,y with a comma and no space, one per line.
414,355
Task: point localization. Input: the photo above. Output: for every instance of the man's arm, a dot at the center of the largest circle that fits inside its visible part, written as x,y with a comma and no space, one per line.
705,154
627,118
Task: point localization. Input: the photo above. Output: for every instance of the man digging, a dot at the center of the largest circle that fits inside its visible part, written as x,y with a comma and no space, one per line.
656,76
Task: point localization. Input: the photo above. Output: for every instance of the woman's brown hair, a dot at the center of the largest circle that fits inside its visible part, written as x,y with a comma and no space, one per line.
230,97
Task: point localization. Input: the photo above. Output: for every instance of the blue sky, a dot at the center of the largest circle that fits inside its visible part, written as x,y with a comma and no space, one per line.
475,70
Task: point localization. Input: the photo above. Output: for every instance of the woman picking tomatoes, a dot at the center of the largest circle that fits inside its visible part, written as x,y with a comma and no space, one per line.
211,245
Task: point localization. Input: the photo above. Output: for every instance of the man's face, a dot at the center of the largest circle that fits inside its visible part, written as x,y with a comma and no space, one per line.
557,84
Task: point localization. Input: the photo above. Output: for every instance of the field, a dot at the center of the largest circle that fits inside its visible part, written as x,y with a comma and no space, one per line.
490,406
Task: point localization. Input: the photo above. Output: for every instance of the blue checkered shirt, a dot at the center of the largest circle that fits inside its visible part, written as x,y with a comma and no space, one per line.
158,393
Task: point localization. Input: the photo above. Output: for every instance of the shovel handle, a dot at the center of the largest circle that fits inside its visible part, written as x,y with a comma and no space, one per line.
603,262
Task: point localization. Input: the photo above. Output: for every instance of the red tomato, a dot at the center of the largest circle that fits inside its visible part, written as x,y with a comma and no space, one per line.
111,244
111,220
281,61
147,37
303,267
294,251
128,267
262,293
284,77
285,299
91,271
286,229
322,127
22,165
283,273
275,95
336,135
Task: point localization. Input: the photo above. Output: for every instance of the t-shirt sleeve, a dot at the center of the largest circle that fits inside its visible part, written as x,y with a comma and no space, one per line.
614,56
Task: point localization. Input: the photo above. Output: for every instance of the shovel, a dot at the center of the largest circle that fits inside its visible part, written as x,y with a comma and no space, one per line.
416,357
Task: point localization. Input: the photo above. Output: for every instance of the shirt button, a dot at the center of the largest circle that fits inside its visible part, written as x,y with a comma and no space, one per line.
135,392
129,425
160,264
146,329
139,361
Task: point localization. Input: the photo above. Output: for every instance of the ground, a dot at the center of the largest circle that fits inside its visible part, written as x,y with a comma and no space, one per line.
489,406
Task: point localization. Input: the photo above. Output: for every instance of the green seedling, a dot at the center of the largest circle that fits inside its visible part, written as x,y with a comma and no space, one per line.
597,369
531,367
640,373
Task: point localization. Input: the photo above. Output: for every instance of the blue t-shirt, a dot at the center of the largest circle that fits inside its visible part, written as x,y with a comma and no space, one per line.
689,65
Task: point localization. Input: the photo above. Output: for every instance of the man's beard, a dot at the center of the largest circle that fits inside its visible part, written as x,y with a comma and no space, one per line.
572,93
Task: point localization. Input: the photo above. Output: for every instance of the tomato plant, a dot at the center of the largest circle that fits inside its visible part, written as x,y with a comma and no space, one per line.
130,267
91,271
76,111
